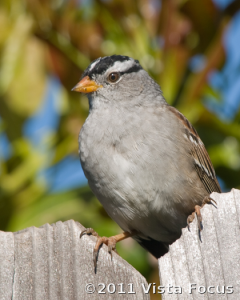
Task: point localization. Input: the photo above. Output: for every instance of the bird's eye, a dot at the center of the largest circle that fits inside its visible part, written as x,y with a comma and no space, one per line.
113,77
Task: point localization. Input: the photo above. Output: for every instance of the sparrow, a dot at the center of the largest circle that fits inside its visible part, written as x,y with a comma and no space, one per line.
143,159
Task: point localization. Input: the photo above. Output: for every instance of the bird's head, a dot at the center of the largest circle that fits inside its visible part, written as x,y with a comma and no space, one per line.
116,79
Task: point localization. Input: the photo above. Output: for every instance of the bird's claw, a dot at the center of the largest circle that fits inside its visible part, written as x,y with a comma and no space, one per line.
110,242
197,211
112,246
208,200
199,217
192,216
89,231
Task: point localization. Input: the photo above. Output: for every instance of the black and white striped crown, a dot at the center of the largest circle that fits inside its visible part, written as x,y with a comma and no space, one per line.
114,63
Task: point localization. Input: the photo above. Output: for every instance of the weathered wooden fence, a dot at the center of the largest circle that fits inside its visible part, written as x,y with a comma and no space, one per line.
51,262
207,267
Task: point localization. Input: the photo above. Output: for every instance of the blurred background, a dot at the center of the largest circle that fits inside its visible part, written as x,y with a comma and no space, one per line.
191,48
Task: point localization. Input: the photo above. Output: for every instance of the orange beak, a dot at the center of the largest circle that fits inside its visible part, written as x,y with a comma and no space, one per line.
86,85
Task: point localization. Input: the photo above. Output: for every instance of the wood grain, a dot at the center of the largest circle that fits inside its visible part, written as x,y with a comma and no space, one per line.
52,262
211,260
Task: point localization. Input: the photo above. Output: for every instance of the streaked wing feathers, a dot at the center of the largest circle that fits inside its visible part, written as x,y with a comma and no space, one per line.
199,153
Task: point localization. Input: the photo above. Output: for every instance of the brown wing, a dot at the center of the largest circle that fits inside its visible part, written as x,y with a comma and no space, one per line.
199,153
204,167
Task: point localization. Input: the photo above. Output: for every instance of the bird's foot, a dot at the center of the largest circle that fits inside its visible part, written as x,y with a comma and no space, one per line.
109,241
197,212
208,200
192,216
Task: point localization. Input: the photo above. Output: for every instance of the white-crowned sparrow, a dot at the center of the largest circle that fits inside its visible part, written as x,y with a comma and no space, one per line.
143,160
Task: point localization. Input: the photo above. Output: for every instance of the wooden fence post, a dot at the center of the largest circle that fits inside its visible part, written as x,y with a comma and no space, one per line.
207,267
52,262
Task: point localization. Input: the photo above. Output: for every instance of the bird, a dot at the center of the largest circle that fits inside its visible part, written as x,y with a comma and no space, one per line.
143,159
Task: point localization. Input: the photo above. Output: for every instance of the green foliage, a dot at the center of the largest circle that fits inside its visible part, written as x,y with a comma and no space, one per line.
60,38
